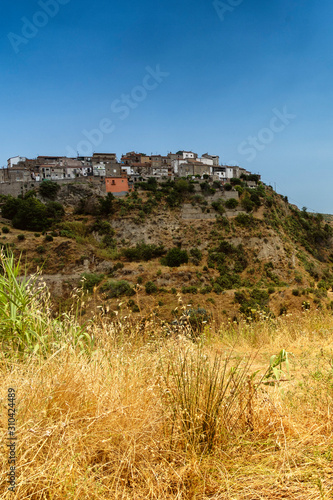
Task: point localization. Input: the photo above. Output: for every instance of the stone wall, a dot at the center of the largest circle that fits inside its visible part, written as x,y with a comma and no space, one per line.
95,184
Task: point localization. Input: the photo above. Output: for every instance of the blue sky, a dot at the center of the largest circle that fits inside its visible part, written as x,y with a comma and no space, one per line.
248,80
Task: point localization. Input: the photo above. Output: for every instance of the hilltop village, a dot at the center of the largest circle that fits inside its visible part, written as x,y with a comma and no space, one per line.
119,177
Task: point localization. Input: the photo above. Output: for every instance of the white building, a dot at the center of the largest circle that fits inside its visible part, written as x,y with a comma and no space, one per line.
214,158
15,160
206,161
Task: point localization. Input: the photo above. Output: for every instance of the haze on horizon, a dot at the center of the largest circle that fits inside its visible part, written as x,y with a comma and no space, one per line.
247,80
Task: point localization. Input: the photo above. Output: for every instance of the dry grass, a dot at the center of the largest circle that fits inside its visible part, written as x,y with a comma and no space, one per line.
99,425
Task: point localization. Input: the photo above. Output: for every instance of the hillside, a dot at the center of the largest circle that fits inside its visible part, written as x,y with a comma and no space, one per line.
241,250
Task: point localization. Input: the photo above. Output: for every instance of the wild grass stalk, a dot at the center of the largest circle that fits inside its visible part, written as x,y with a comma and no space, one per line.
206,398
27,325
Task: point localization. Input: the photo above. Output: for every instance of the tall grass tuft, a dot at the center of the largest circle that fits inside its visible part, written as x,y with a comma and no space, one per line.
206,398
26,321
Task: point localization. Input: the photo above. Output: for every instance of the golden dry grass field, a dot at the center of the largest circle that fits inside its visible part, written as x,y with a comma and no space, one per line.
145,415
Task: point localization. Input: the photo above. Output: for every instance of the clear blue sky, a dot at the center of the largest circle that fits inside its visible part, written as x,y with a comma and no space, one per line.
248,80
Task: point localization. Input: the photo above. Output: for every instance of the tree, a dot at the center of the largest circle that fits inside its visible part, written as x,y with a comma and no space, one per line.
175,257
106,204
231,203
49,189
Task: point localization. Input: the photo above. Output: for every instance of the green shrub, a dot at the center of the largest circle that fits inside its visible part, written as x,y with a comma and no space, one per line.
206,188
245,220
37,235
118,265
175,257
40,249
114,289
239,190
196,256
183,186
189,289
48,237
250,303
247,204
150,288
103,227
106,204
91,280
228,187
298,277
218,206
49,189
108,241
231,203
30,213
144,252
5,230
66,233
21,237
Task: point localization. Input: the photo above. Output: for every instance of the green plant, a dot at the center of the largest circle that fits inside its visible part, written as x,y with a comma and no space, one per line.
26,323
108,241
37,235
143,252
232,203
30,213
189,289
245,220
150,288
21,237
49,189
48,237
175,257
102,227
217,205
275,371
114,289
106,204
5,230
90,281
196,256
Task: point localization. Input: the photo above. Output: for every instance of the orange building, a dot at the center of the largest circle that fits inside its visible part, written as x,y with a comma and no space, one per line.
117,185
